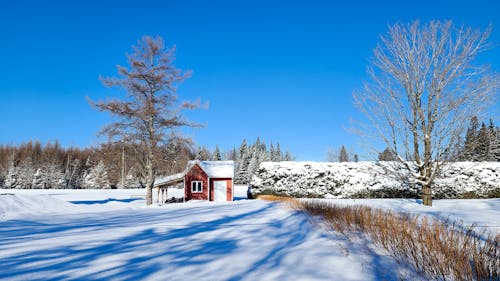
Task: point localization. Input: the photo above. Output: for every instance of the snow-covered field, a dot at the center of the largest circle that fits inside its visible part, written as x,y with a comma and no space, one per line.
110,234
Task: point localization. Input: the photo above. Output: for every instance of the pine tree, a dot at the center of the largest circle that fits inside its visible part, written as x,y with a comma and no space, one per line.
38,181
253,165
272,153
53,175
216,155
242,163
496,148
131,181
97,177
11,177
25,173
343,156
492,136
387,155
482,150
471,140
279,154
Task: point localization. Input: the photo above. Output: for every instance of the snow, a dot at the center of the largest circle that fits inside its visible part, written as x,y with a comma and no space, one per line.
485,213
216,169
347,179
165,179
110,234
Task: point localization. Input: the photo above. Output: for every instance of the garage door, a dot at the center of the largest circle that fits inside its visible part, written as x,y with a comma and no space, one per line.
220,191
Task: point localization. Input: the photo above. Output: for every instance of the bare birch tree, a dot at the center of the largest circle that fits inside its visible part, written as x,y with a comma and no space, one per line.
151,111
423,89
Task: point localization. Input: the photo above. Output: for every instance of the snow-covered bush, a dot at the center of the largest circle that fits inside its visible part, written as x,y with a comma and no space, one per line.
367,179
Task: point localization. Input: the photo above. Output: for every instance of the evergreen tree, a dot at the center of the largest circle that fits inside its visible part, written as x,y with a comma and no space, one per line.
242,164
471,140
216,155
482,149
11,177
387,155
97,177
343,156
131,181
253,165
38,181
279,154
25,173
495,151
493,145
272,153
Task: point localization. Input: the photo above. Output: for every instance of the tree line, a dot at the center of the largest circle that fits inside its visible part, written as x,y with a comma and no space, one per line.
109,165
114,165
481,143
247,157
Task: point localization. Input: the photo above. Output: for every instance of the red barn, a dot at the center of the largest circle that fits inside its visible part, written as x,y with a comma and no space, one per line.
203,180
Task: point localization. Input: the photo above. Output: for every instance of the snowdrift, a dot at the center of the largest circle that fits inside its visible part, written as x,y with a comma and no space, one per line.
20,205
367,179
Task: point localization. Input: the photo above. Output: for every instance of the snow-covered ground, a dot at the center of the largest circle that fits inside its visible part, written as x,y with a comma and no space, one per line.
110,234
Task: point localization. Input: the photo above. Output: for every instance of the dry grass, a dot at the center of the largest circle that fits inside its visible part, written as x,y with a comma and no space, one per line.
439,250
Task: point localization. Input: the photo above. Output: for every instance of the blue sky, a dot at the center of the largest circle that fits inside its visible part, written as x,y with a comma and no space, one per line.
281,70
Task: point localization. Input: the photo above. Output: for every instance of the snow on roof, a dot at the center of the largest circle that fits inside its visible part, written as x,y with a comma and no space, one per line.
215,169
171,178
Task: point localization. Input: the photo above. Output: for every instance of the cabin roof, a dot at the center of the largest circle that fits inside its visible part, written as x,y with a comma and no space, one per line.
213,169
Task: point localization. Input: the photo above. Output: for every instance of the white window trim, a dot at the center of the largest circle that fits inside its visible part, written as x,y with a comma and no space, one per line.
193,185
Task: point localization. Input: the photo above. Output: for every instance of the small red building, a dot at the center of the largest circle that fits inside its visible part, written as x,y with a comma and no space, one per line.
202,180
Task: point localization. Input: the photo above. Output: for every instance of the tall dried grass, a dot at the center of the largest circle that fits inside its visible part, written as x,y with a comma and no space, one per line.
440,250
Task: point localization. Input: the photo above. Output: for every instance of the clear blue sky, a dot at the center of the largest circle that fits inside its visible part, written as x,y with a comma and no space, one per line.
281,70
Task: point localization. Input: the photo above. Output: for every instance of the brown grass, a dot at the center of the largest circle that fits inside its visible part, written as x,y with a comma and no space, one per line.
440,250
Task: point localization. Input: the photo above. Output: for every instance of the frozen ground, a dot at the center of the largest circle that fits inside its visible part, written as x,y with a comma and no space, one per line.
110,234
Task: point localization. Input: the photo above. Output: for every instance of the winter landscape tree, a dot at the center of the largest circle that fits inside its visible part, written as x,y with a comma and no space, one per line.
97,177
424,87
216,155
343,156
151,112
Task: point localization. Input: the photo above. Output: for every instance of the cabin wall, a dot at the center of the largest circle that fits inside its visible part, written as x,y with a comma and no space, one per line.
196,174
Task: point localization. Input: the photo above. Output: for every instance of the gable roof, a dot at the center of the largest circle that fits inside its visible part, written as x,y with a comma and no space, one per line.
215,169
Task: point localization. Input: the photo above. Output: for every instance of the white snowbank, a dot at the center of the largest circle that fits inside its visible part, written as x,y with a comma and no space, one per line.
15,205
344,180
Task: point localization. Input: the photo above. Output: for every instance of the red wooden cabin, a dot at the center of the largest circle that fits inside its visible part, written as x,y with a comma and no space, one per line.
203,180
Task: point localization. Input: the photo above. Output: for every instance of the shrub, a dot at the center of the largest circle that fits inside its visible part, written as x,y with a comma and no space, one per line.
440,250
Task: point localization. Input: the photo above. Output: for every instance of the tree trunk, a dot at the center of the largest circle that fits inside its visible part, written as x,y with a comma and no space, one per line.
150,179
427,195
149,194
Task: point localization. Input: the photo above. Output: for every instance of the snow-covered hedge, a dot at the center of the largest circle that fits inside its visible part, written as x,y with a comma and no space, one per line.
367,179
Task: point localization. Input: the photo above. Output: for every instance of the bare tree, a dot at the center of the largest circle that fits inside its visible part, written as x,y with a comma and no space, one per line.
424,88
151,112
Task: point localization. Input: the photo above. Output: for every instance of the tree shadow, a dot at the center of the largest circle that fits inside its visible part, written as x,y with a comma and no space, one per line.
105,201
155,244
181,246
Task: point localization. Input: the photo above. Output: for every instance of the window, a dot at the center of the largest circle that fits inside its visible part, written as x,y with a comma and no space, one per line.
196,186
